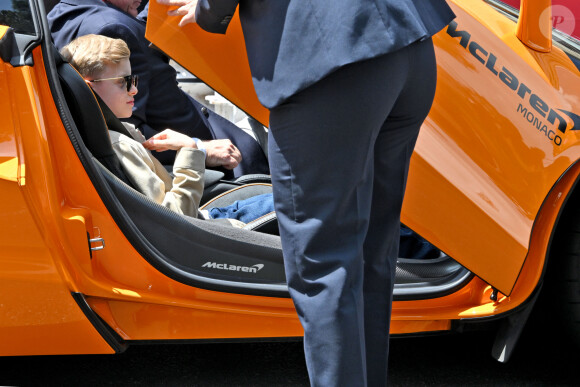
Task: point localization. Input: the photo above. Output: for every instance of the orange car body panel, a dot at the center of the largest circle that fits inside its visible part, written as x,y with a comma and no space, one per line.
496,224
37,312
476,212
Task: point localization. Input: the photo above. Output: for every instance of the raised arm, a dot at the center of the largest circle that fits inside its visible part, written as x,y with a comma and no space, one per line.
211,15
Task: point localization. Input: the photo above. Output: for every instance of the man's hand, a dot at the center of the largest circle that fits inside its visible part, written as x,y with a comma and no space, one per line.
185,8
219,153
222,153
169,139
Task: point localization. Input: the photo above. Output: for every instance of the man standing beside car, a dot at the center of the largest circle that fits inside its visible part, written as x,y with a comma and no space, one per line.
160,104
357,78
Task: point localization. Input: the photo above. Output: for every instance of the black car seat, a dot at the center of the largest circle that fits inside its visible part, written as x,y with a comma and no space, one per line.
88,117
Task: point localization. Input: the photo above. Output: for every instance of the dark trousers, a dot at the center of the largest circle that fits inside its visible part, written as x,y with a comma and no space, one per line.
339,156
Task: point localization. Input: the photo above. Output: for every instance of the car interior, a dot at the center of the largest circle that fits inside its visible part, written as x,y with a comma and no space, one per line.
252,256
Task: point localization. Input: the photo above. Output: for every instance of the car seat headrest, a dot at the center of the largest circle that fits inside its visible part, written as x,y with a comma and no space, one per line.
88,117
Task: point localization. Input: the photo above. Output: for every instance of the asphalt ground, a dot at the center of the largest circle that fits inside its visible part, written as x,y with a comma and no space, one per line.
449,360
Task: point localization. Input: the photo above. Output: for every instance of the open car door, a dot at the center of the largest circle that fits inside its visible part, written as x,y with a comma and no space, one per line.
218,60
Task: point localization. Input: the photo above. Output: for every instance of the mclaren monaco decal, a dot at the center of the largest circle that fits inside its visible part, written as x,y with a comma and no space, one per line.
534,110
225,266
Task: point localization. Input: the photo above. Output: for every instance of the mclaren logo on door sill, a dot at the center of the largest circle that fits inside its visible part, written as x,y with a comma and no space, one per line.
225,266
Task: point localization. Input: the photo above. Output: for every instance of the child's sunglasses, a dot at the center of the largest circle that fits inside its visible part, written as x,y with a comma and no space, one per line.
129,80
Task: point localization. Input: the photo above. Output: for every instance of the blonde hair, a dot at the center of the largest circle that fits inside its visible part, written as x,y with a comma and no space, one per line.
91,54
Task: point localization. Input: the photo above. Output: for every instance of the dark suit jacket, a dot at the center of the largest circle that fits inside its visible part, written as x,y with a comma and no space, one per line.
160,103
293,43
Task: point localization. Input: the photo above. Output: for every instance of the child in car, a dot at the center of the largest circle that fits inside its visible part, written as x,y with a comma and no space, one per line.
104,64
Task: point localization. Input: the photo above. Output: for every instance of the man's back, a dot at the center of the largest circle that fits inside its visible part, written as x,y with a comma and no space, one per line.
324,36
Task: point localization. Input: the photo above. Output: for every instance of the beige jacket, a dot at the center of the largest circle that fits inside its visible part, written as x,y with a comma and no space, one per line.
181,193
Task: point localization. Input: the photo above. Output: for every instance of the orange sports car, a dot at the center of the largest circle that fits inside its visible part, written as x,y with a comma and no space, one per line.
89,265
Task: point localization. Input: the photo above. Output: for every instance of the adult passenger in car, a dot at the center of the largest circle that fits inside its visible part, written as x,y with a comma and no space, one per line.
160,104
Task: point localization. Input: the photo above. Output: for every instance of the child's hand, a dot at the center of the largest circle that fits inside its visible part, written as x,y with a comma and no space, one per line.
169,139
